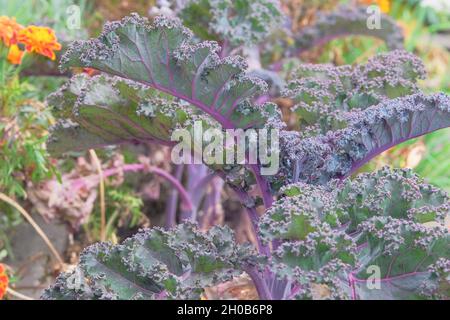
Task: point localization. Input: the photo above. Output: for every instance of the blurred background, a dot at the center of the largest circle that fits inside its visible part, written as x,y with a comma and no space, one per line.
30,177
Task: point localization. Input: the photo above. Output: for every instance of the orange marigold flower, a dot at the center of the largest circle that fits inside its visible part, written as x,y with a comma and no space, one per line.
15,55
9,30
4,281
41,40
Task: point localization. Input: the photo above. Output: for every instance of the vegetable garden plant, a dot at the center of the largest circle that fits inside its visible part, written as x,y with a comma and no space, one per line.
323,229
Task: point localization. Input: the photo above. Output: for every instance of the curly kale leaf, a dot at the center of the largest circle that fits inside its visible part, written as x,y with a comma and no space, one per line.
155,264
335,236
241,22
408,256
348,21
163,55
103,110
339,153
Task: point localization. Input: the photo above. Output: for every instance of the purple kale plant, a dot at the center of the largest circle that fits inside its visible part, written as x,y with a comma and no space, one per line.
323,234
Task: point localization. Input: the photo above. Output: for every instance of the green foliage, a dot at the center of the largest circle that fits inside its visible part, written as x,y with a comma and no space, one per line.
164,56
173,63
